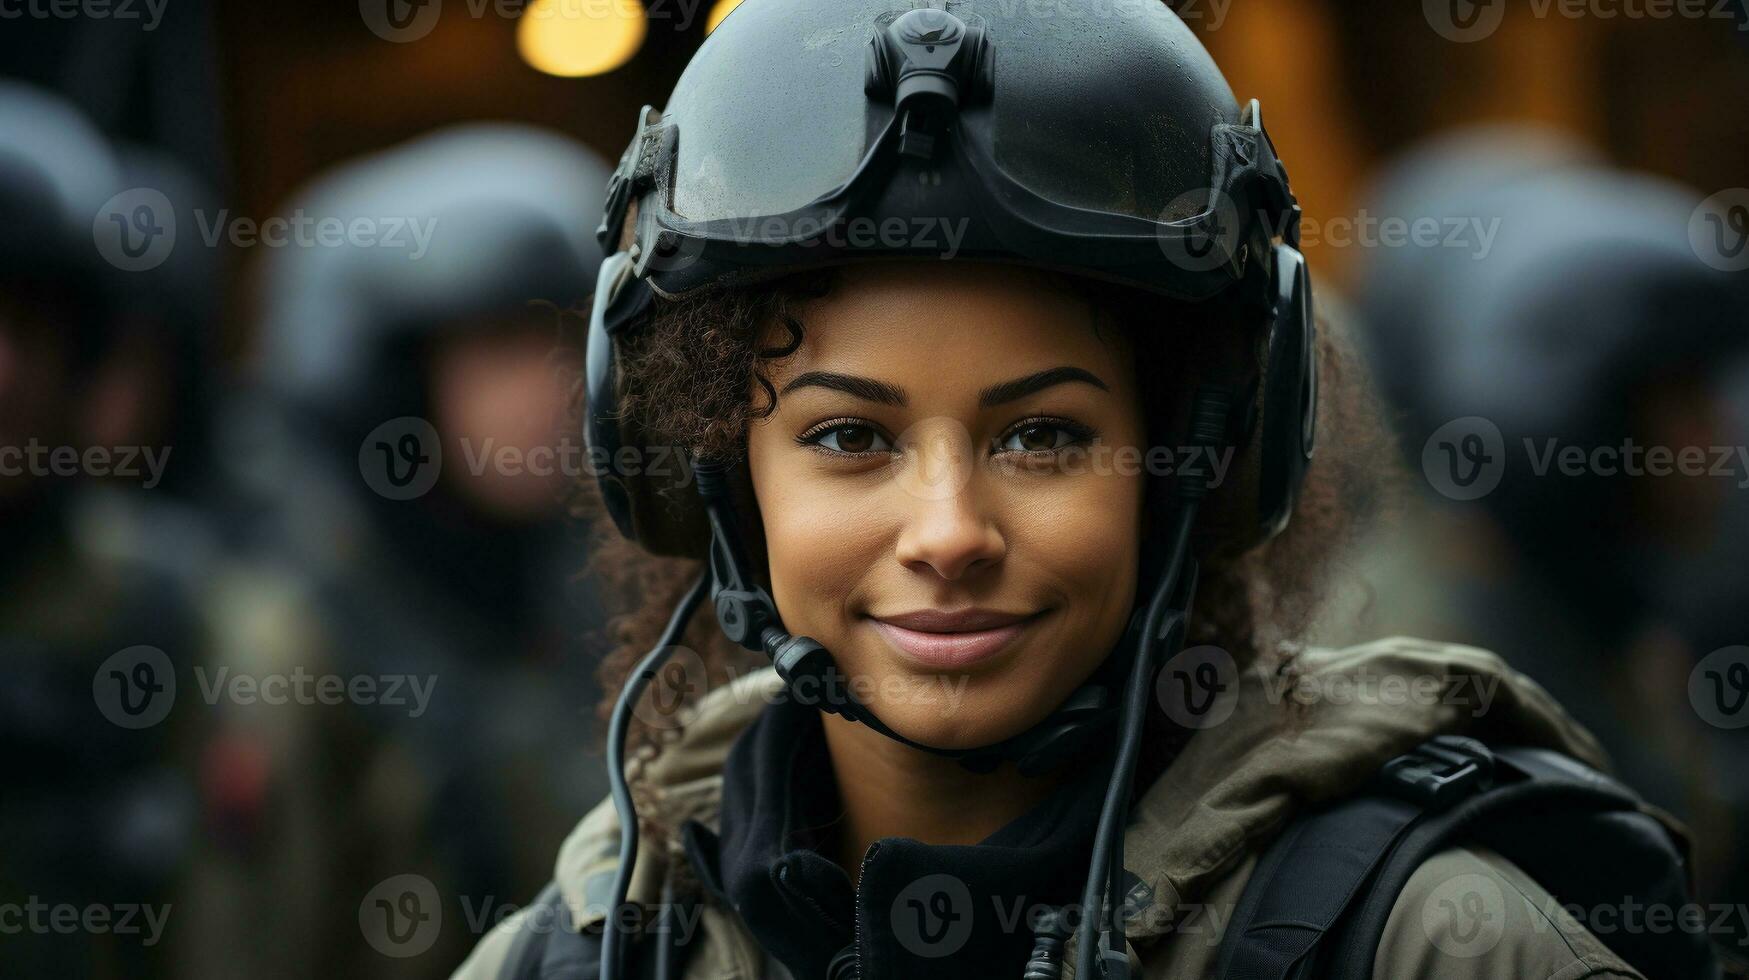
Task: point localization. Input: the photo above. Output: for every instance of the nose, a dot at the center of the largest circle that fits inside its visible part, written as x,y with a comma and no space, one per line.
950,537
947,528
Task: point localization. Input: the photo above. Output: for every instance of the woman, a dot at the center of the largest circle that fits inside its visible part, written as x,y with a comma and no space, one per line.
971,511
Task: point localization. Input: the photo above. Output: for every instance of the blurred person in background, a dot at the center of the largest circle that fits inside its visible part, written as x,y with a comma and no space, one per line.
1530,381
400,461
99,624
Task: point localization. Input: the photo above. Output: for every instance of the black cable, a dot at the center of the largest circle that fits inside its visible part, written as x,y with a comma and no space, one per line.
1208,421
612,948
1103,882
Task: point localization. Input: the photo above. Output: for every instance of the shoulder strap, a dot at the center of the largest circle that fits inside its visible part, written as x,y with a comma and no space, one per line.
1318,901
1551,816
1279,926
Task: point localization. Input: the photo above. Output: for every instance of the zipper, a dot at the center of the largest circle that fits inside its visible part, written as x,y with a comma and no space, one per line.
856,910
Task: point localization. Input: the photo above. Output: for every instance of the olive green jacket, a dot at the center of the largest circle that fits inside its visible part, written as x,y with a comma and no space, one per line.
1305,733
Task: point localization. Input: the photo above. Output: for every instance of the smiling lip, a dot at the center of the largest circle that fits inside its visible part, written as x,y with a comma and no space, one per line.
943,639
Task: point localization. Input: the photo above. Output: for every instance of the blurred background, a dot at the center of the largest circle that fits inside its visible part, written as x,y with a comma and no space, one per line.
296,668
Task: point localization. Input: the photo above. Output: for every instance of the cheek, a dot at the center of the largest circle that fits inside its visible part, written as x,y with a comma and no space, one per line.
819,542
1084,533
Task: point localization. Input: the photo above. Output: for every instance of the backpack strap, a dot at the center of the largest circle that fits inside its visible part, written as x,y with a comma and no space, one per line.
1551,816
1319,899
1279,926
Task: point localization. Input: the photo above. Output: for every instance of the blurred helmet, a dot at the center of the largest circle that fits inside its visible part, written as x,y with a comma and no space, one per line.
1589,291
56,172
465,222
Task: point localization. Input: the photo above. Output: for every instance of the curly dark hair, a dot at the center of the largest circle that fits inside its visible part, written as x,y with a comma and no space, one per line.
685,377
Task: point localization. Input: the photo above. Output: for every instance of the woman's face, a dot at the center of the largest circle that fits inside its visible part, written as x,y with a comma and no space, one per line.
944,502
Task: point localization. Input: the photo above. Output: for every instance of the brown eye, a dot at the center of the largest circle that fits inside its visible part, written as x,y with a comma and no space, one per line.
854,438
849,438
1038,438
1042,436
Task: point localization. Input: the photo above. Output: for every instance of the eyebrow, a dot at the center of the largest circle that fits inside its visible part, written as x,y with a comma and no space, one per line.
1007,391
868,389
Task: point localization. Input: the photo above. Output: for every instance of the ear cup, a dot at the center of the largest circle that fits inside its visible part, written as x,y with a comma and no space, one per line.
647,486
1288,409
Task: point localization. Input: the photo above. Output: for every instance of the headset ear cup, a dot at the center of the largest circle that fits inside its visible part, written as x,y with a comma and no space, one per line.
1289,393
647,487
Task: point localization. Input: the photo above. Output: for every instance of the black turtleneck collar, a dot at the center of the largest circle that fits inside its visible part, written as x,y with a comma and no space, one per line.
922,911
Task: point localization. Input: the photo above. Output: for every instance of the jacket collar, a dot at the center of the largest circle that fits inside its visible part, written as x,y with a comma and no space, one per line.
921,911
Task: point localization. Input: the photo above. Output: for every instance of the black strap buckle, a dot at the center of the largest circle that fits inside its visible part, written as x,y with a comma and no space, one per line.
1440,771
